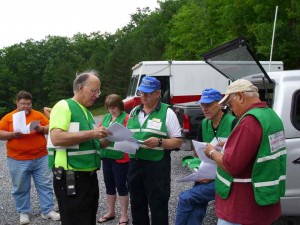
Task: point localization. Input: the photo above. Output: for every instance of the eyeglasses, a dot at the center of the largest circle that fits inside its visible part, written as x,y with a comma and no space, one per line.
94,91
206,105
25,104
140,93
228,102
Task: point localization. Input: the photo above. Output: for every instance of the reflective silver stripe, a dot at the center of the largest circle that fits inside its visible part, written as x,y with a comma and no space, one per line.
270,183
154,131
271,157
135,130
156,148
83,152
50,152
112,148
240,180
226,182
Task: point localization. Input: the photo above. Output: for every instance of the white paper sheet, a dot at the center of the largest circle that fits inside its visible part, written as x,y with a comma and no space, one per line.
205,171
19,123
199,148
74,127
128,146
119,133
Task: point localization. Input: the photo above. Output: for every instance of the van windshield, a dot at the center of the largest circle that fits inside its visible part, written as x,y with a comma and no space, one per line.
132,86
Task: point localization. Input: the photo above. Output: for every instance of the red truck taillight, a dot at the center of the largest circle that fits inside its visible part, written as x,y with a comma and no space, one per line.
186,123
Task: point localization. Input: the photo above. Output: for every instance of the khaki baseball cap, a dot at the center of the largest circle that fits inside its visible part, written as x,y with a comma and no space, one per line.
240,85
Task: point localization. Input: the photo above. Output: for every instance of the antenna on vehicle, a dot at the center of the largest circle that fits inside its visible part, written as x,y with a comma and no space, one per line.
274,27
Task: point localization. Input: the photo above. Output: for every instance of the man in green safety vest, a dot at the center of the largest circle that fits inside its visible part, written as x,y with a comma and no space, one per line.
149,175
75,155
251,171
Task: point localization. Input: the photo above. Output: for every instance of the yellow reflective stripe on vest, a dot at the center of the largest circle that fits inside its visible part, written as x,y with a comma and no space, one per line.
154,131
270,183
86,152
271,157
156,148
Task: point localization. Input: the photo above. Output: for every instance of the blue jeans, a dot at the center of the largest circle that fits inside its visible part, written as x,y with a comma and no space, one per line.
224,222
192,204
21,172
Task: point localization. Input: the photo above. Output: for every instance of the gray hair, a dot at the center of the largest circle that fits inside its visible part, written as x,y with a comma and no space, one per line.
251,94
82,78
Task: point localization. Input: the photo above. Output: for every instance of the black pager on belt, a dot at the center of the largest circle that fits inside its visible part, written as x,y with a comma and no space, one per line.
58,172
70,182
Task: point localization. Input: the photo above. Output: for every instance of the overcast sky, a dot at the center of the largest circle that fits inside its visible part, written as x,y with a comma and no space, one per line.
21,20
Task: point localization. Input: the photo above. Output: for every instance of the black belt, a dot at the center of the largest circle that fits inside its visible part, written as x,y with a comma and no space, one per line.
85,173
77,173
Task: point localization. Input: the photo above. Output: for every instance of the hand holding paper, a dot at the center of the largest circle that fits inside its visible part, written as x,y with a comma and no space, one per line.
19,123
119,133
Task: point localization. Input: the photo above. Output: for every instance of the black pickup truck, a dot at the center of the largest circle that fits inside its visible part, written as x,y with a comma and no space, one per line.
189,115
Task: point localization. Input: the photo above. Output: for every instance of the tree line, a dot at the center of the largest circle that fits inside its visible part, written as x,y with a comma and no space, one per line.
177,30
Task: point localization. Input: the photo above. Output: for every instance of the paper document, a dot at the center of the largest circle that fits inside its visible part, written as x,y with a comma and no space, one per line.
207,168
205,171
19,123
129,146
199,148
119,133
74,127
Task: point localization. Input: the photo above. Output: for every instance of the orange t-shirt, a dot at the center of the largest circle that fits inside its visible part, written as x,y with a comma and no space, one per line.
29,146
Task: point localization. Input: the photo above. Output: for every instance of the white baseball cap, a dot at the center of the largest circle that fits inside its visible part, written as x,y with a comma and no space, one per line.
240,85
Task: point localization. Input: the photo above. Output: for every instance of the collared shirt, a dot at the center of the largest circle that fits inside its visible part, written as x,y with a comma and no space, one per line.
172,123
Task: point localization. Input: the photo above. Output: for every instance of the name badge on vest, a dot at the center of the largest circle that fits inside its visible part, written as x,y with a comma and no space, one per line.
277,141
154,124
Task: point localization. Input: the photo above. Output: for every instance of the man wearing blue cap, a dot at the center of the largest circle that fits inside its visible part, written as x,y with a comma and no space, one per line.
215,129
149,174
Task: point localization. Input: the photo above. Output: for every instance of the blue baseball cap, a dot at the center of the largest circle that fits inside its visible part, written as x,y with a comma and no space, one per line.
210,95
149,85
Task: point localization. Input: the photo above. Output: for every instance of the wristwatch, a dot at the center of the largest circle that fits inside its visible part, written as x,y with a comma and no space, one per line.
160,142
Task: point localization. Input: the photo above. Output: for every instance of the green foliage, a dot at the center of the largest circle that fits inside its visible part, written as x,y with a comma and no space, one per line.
178,30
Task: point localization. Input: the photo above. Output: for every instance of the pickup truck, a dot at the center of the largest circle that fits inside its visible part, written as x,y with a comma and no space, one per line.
281,90
189,115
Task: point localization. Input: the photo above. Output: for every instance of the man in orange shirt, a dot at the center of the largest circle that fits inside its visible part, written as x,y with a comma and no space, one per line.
26,158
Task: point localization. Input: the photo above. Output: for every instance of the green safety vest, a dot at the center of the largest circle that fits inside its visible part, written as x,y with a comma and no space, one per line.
88,154
223,131
110,151
154,126
269,170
